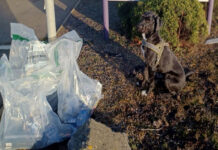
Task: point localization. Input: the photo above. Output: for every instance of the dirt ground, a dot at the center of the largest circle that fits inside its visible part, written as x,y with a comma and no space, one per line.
158,121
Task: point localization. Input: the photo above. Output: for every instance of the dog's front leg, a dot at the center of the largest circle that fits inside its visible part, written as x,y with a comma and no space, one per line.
151,81
148,83
145,78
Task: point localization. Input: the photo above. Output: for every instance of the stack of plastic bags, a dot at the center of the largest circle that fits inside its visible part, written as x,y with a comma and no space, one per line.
46,97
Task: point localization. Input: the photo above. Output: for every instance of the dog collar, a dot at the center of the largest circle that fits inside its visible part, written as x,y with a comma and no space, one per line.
158,49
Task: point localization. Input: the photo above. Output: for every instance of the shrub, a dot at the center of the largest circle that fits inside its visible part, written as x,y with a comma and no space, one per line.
182,19
215,12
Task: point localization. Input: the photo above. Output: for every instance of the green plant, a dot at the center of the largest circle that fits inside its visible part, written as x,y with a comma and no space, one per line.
215,12
182,19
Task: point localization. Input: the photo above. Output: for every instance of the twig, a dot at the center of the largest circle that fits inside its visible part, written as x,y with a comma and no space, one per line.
152,129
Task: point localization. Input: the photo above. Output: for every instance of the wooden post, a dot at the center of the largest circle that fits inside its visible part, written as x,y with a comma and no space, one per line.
106,19
106,15
210,14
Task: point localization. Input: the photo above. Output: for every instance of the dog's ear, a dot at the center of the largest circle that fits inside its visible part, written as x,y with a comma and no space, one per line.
158,23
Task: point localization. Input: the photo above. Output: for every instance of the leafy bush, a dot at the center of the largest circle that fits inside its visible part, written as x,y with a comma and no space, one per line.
182,19
215,12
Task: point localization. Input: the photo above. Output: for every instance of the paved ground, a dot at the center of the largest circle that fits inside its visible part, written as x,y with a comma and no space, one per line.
97,136
30,13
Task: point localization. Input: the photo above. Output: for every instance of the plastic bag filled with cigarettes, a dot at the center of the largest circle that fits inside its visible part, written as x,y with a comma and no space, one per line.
46,97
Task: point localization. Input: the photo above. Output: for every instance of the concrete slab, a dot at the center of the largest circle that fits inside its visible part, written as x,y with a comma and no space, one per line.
30,13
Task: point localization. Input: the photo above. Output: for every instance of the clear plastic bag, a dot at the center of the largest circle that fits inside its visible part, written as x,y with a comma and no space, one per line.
28,120
39,80
75,84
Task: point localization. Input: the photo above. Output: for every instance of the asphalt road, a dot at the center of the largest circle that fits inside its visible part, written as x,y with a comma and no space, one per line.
30,13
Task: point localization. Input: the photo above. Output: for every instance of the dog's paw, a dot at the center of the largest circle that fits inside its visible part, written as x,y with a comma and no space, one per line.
144,93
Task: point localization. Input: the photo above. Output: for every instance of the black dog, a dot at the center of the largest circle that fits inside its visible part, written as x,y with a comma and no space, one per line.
159,57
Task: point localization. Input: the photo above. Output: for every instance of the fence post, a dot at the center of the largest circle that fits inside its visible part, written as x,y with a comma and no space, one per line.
50,15
106,19
210,14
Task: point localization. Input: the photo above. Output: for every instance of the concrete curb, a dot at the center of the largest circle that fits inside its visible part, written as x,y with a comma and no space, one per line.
5,47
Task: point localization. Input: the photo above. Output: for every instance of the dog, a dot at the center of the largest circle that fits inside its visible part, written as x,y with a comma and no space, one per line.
158,57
